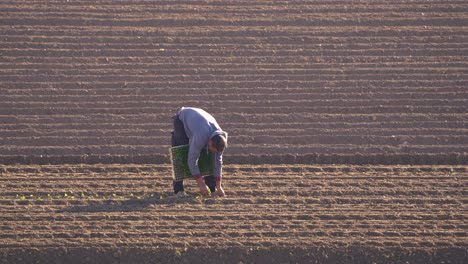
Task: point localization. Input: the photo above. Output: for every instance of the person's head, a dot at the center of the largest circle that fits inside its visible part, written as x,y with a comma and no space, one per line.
217,144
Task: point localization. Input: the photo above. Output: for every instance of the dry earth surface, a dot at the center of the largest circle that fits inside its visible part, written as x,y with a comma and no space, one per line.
271,214
360,82
87,85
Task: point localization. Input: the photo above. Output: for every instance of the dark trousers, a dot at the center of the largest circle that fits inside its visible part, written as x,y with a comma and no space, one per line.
180,138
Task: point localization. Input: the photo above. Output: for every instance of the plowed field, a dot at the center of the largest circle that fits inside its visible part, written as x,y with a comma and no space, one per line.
378,87
304,81
272,214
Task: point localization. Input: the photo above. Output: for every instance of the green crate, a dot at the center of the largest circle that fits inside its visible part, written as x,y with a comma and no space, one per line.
180,169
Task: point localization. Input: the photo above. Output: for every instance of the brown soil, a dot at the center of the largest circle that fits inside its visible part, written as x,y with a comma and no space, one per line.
293,82
296,82
272,213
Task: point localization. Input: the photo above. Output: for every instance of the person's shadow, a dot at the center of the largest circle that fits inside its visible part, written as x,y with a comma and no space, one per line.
131,204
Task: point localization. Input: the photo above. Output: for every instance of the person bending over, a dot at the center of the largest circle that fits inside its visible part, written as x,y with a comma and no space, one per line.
199,129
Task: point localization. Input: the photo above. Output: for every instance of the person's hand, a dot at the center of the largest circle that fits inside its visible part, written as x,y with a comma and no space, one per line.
219,191
203,188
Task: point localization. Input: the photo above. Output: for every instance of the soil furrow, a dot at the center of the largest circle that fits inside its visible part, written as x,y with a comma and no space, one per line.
378,215
305,89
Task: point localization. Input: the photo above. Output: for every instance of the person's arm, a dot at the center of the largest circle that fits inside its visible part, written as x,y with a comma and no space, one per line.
218,165
204,190
218,171
219,188
193,156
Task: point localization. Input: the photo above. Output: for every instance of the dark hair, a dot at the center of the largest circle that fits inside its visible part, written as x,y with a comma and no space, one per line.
219,142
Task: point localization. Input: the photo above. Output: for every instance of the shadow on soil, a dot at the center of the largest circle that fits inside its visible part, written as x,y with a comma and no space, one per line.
129,205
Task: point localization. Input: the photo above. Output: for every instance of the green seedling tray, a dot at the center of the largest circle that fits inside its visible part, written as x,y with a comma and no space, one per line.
180,169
